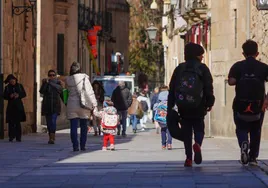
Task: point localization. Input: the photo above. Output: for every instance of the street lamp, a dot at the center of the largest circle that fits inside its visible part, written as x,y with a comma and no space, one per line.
18,10
152,31
153,5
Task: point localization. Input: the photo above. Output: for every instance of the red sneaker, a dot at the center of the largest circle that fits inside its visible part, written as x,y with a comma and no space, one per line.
188,163
197,153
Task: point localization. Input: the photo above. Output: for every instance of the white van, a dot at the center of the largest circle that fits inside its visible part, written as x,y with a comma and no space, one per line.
110,82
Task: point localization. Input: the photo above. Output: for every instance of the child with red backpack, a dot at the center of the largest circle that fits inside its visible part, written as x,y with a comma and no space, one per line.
109,122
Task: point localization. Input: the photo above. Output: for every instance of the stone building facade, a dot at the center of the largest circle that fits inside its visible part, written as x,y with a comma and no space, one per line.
229,24
50,38
18,55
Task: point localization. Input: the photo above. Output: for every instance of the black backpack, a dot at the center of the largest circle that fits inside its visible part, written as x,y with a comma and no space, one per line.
249,95
189,86
144,106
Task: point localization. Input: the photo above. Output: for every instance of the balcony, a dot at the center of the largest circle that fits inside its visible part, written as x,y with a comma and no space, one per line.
195,10
88,17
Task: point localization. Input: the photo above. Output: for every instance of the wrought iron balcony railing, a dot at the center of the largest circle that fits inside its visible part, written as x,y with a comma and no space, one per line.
87,18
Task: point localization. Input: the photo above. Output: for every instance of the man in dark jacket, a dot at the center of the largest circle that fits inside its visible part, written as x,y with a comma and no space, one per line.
245,89
51,90
122,100
192,118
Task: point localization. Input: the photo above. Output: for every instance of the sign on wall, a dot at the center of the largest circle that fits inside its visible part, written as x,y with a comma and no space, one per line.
262,4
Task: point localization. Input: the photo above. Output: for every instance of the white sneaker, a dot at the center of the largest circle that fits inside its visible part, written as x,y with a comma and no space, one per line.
104,148
112,148
142,129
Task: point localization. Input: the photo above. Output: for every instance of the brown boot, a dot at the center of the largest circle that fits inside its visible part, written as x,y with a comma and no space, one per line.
53,137
51,141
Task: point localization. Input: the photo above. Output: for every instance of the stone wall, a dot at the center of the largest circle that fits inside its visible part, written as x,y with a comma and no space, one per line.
58,18
259,28
226,42
18,56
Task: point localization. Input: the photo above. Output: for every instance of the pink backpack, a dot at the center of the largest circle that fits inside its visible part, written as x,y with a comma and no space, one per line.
109,118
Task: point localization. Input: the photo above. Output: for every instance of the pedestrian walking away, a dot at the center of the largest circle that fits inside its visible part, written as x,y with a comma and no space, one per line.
249,77
132,111
160,108
109,122
145,104
80,94
15,113
122,99
153,101
99,94
191,90
51,89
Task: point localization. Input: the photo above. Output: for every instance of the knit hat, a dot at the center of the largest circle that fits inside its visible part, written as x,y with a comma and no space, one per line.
192,51
10,77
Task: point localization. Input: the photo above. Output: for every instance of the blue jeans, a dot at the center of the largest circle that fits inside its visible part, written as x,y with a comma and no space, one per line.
253,129
83,133
166,137
51,122
187,126
134,121
123,122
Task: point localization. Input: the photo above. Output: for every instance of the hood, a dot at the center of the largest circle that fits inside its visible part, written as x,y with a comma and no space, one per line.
75,79
122,87
163,96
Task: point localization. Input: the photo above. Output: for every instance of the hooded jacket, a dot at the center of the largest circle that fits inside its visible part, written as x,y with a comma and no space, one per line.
75,84
121,98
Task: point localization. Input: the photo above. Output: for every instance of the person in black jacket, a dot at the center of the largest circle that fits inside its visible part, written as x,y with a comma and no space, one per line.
122,99
51,90
192,118
15,113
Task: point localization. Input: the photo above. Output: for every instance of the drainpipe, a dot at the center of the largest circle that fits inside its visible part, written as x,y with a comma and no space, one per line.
248,18
210,68
1,74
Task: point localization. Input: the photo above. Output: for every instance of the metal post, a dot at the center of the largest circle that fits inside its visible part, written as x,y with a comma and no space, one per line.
1,73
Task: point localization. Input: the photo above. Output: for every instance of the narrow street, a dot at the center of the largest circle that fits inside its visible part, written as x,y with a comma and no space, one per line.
138,161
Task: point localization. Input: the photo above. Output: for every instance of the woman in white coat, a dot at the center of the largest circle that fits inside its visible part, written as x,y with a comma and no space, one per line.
75,113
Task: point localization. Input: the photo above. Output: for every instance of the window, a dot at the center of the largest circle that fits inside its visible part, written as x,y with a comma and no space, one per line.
61,1
60,54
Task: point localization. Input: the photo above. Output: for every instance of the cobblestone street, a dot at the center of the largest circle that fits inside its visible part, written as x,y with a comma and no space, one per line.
138,161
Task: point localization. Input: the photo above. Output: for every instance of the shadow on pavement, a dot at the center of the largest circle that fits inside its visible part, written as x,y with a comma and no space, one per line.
167,174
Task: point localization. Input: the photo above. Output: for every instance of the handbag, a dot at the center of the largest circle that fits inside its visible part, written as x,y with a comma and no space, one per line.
175,130
65,96
139,113
84,98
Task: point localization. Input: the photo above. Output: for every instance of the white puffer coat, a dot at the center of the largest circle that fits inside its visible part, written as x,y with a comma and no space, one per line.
74,84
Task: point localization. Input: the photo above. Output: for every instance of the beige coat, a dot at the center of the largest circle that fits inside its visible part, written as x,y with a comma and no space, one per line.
74,84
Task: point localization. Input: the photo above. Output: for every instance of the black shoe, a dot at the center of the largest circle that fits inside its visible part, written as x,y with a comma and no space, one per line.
124,135
244,152
253,162
18,140
135,131
11,139
83,149
51,142
75,149
118,133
